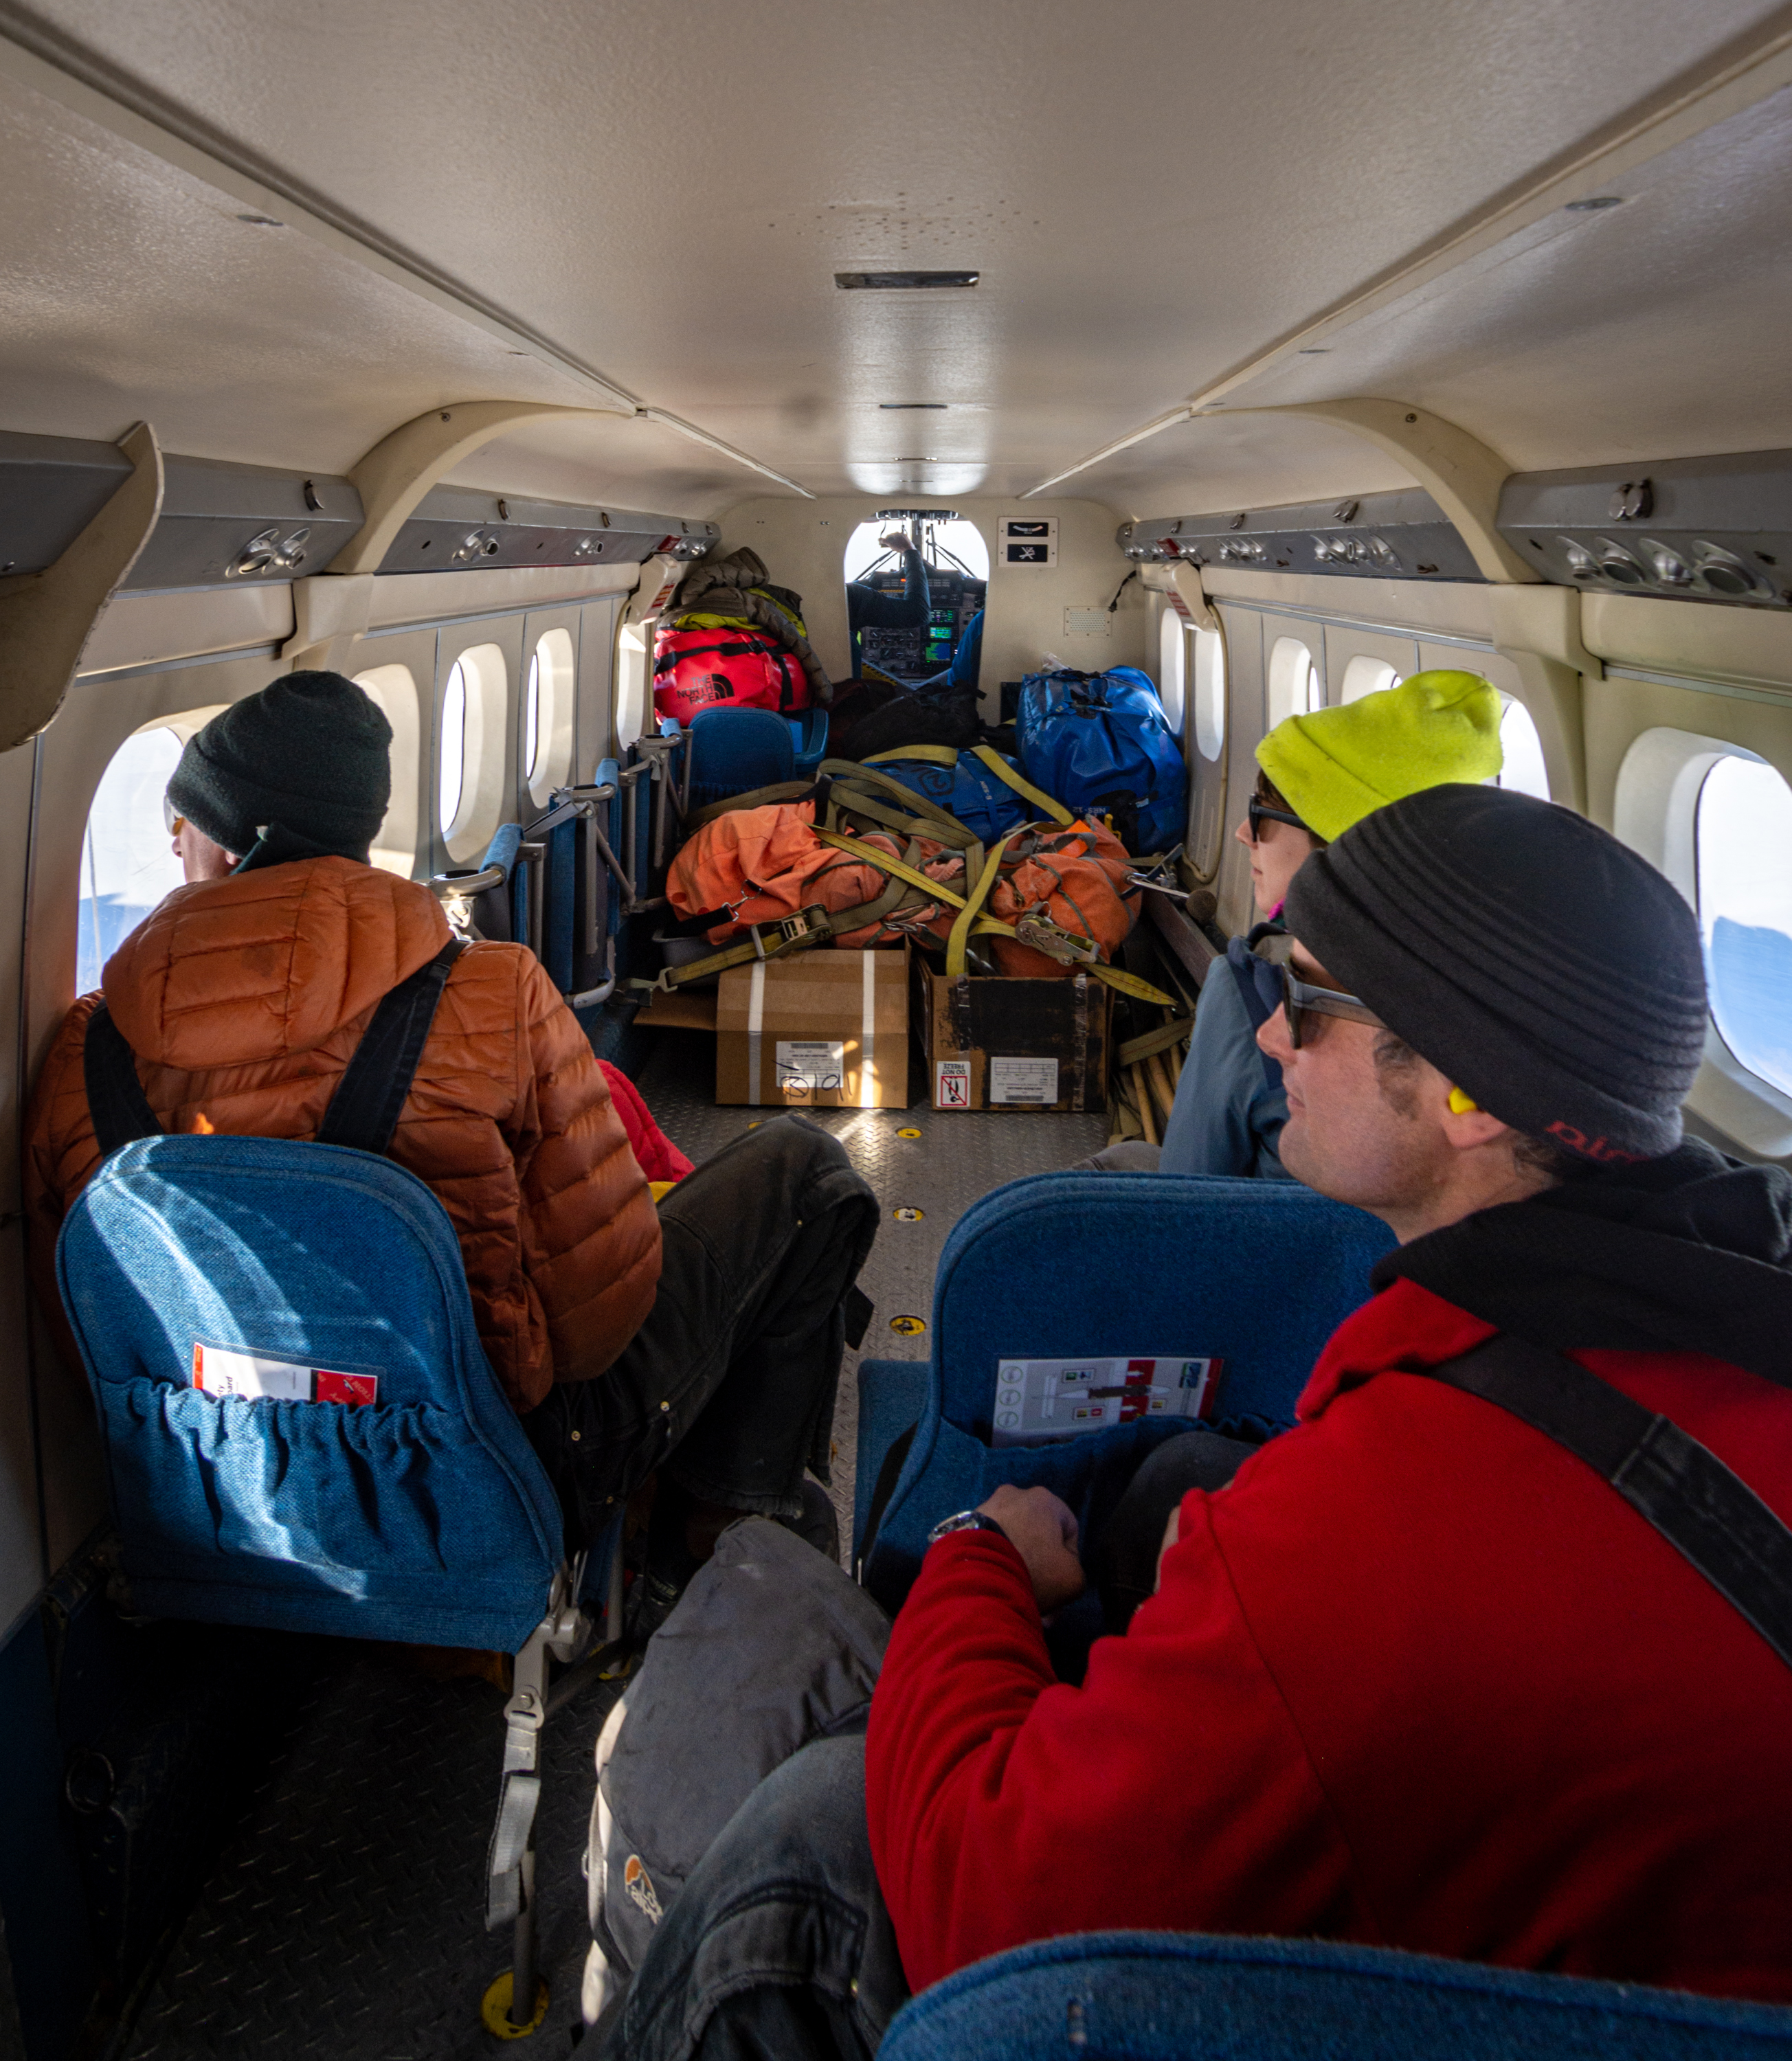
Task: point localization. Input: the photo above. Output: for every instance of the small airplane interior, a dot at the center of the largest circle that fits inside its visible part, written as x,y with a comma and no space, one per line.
1282,351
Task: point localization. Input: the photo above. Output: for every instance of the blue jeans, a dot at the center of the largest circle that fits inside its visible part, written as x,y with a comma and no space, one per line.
779,1944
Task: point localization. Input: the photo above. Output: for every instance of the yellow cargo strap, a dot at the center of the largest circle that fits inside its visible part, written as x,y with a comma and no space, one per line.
960,930
1056,809
943,754
978,925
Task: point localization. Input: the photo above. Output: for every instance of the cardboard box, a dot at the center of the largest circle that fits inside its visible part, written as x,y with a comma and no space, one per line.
819,1030
995,1044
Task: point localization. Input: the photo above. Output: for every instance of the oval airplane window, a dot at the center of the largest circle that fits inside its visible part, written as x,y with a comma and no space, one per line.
633,646
470,752
1173,657
127,858
451,749
1210,692
1524,771
1365,675
393,691
547,716
1294,683
1743,843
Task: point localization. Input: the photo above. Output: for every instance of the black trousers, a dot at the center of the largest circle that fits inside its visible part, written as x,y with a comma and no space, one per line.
1124,1565
728,1386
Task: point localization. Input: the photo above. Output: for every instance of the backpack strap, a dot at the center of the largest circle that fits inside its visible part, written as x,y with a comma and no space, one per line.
364,1110
116,1103
1703,1509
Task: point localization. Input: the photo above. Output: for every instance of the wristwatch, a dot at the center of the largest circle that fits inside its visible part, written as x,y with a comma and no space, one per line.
963,1520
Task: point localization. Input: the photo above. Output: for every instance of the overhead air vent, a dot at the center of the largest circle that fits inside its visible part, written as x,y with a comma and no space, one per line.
1703,528
891,283
1403,535
456,528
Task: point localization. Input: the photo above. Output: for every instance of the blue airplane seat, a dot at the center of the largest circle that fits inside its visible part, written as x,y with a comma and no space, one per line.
350,1465
735,751
808,734
405,1503
1250,1277
1119,1996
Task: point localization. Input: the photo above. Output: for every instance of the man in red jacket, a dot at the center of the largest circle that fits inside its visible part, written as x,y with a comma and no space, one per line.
1418,1676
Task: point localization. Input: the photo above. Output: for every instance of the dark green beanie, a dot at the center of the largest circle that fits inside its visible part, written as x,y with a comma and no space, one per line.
311,754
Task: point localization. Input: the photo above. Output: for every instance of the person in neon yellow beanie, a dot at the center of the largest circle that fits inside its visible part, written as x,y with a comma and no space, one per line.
1319,774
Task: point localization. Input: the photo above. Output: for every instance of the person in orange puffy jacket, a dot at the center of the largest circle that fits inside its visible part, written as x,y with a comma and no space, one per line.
628,1338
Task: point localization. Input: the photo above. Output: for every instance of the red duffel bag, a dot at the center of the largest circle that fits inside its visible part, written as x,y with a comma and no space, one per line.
733,666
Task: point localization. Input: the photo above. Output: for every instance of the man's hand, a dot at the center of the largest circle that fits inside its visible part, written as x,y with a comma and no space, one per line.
1043,1530
895,540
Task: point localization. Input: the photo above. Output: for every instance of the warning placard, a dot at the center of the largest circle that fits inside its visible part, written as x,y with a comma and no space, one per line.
1041,1399
952,1084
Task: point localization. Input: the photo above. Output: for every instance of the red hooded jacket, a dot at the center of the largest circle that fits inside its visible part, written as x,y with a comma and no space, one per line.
1418,1677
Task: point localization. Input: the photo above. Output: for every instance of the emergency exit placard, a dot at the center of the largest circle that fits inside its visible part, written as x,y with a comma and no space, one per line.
1038,1399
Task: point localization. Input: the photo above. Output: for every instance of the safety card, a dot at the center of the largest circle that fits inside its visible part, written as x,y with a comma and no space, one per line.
225,1370
1038,1399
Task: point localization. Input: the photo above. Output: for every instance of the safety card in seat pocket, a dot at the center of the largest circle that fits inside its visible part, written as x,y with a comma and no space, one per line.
1041,1400
224,1371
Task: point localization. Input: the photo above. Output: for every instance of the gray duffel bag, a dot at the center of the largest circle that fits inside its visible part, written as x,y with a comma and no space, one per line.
772,1645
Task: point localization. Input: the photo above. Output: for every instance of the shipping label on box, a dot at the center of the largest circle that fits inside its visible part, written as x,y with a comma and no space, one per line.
816,1029
1041,1399
995,1044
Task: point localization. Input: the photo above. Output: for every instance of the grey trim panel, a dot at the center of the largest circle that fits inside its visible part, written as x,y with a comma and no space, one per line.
1400,535
1714,529
462,527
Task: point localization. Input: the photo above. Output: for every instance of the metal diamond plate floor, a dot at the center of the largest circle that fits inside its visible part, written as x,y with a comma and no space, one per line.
957,1156
345,1920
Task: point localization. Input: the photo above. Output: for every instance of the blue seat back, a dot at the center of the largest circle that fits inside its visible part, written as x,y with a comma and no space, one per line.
1257,1274
1163,1996
423,1515
734,750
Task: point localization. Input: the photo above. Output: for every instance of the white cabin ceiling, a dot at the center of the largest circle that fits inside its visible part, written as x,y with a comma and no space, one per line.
1156,194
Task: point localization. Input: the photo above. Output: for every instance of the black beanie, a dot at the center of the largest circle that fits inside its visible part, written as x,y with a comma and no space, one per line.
1540,965
312,752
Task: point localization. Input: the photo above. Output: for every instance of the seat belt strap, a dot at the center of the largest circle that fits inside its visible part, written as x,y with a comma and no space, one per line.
1704,1510
364,1110
116,1102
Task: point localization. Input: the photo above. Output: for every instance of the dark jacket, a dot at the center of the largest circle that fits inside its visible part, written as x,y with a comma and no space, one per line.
1418,1677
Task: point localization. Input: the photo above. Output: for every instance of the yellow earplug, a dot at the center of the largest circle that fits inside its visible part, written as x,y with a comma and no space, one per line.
1460,1104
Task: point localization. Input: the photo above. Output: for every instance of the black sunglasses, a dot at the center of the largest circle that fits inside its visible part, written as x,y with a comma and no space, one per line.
1260,812
1300,997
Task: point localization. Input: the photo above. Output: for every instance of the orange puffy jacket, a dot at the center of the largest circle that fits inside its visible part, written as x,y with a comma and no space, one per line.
243,999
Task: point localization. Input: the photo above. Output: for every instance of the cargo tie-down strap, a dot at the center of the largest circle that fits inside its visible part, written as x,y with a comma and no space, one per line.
1704,1510
1040,932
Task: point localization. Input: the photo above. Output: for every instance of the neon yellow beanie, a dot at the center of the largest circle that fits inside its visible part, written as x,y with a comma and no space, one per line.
1339,764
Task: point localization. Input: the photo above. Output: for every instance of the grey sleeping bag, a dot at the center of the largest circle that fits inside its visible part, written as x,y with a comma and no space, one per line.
772,1645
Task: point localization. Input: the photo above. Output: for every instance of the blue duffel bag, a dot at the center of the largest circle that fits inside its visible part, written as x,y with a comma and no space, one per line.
985,791
1101,744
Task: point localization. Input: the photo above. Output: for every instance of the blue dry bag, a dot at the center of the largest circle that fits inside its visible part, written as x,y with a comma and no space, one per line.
1101,744
967,789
